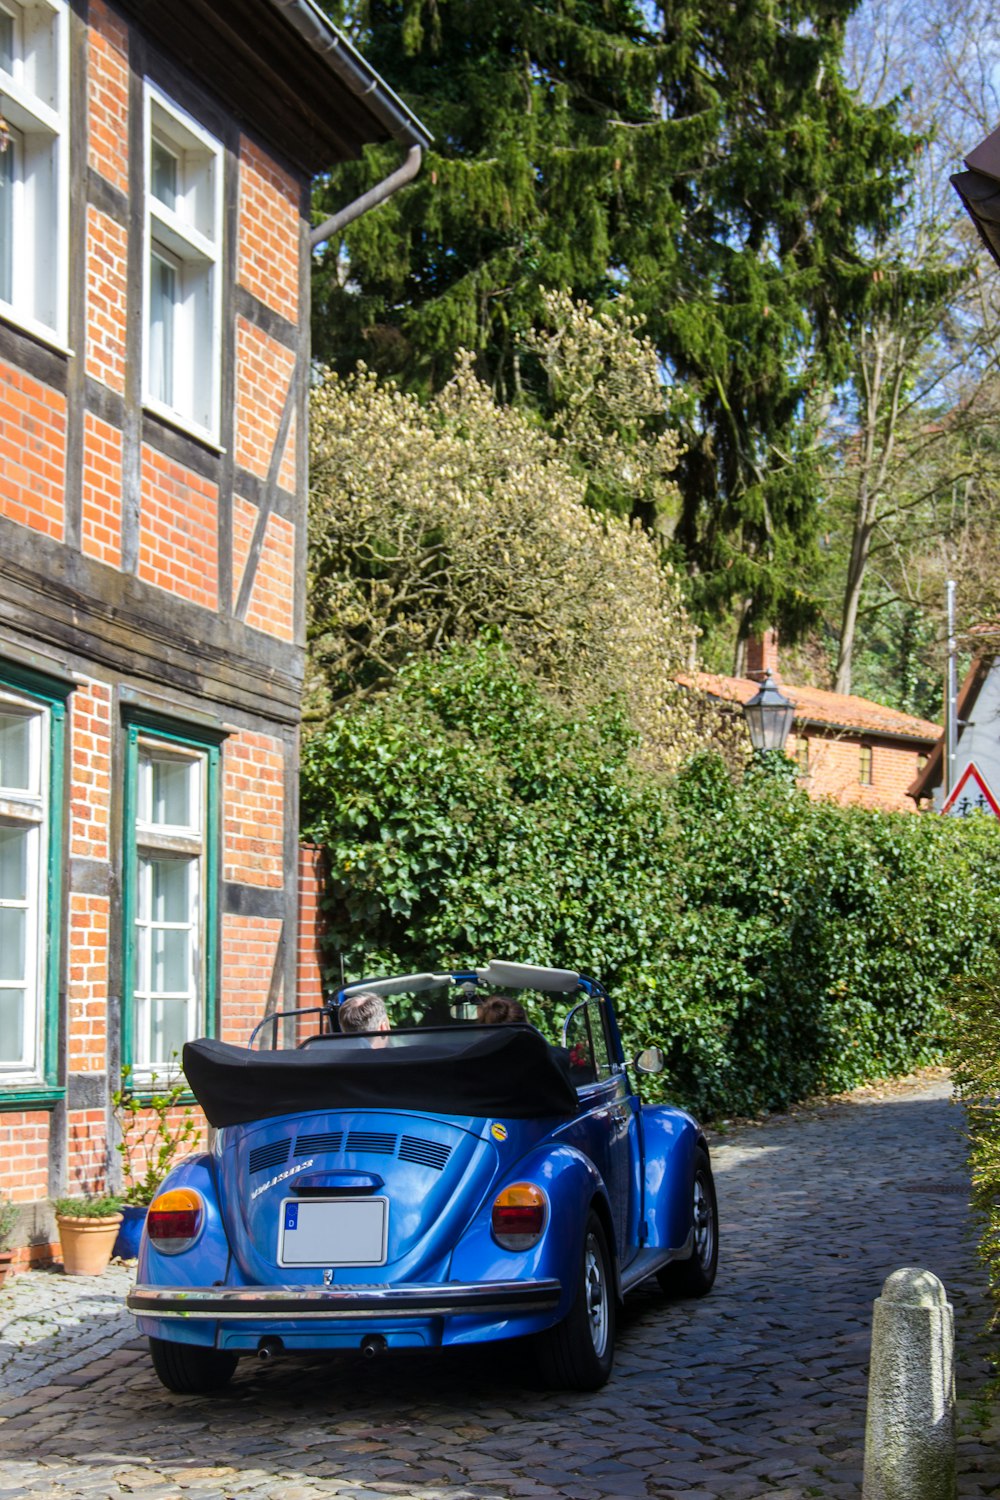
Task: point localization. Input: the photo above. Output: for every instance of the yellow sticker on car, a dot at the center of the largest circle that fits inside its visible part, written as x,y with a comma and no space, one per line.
498,1132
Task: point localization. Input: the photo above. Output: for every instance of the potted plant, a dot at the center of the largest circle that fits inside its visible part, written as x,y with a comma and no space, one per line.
156,1127
8,1222
88,1228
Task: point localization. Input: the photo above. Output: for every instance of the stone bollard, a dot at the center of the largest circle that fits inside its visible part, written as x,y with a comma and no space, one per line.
910,1430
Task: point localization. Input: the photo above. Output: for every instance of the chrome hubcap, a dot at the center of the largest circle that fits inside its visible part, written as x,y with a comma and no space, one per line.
596,1293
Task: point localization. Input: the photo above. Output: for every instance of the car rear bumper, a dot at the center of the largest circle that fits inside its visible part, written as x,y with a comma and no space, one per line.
429,1300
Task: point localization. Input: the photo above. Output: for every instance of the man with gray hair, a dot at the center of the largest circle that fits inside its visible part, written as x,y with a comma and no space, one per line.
364,1012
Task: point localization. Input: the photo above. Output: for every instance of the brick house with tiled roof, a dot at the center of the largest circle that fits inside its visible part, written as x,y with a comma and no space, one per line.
846,747
155,248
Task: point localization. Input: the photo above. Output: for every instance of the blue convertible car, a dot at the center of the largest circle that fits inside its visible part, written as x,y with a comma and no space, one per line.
451,1183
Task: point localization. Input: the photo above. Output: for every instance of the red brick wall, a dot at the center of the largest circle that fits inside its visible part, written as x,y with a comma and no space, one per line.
90,750
272,598
249,950
263,372
87,1154
308,969
24,1151
87,990
254,810
834,768
101,521
178,545
32,452
107,95
107,299
268,232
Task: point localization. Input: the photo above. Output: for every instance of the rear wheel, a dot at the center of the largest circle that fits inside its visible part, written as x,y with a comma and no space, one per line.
695,1277
578,1354
189,1369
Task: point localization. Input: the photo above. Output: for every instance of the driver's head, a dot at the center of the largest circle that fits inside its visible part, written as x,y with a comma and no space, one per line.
500,1010
364,1012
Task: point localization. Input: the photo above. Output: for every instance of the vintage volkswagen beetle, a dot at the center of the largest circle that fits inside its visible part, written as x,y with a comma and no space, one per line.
437,1185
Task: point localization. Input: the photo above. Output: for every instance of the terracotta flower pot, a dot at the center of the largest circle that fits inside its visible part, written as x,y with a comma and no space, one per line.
87,1242
6,1264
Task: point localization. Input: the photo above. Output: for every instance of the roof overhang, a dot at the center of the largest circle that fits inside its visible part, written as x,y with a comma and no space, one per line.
286,71
979,190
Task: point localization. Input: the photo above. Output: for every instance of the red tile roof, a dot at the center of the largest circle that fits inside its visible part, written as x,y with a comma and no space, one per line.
839,711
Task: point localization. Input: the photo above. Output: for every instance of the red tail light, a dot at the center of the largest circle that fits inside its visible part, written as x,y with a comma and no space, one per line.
174,1220
518,1218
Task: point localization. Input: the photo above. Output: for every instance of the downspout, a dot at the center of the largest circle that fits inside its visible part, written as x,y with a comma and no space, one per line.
362,80
374,196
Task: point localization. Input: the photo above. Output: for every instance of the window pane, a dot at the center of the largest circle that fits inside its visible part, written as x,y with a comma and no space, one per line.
12,1004
13,928
162,297
7,169
6,41
168,1029
170,891
172,799
14,864
164,175
171,967
15,753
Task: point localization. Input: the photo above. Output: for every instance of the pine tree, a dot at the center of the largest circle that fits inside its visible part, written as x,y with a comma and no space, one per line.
707,157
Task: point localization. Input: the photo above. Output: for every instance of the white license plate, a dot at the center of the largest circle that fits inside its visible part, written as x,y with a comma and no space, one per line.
333,1231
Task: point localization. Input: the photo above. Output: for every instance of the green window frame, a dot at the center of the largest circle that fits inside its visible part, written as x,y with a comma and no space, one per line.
170,890
43,699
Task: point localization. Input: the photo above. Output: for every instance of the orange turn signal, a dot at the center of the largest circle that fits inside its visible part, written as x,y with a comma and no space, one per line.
518,1217
174,1220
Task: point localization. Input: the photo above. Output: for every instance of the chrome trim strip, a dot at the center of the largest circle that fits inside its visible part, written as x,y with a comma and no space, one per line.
423,1300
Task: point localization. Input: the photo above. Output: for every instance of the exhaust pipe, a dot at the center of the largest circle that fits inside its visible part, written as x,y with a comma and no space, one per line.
268,1348
372,1344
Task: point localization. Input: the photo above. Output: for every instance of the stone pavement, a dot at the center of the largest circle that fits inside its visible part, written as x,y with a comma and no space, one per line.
757,1391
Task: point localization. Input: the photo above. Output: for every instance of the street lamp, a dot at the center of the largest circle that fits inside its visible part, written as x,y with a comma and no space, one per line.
769,716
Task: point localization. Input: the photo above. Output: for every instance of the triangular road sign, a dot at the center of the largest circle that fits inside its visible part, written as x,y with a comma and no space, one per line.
971,794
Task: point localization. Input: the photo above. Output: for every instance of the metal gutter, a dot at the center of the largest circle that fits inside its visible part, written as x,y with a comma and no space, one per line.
351,68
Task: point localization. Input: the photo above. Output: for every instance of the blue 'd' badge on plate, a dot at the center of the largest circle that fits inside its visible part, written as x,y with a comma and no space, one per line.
291,1216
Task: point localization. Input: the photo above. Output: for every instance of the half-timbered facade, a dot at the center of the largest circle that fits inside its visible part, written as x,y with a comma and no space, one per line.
155,163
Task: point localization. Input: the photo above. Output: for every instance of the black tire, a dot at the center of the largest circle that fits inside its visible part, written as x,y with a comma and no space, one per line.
578,1353
190,1369
696,1276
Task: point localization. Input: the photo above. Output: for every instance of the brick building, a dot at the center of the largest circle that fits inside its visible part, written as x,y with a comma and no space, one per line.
846,747
155,164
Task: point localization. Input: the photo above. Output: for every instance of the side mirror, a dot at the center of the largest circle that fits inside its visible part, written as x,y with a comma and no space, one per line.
649,1060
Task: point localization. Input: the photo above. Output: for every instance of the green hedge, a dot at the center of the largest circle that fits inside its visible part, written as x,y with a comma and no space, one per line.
975,1055
772,945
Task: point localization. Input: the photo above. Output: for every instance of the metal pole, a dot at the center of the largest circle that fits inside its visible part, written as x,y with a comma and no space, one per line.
950,698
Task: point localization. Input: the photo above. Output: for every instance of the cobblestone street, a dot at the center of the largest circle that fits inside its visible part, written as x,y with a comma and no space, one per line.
757,1391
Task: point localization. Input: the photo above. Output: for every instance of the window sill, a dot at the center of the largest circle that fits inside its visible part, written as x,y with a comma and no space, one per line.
30,1096
37,331
183,425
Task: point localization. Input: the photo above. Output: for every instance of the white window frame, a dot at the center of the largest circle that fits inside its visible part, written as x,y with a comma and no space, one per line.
28,810
187,844
195,252
37,110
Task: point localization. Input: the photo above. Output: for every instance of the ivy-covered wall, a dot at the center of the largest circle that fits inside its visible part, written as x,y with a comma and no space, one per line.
771,945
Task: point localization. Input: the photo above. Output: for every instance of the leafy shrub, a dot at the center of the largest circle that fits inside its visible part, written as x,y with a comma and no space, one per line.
156,1127
771,945
975,1056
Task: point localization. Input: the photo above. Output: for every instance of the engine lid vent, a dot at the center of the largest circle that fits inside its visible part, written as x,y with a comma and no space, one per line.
377,1142
424,1153
271,1155
322,1140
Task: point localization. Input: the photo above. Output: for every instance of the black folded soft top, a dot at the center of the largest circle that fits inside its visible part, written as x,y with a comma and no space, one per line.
506,1071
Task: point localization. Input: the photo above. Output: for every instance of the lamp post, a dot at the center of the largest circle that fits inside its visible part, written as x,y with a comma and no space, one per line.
769,716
